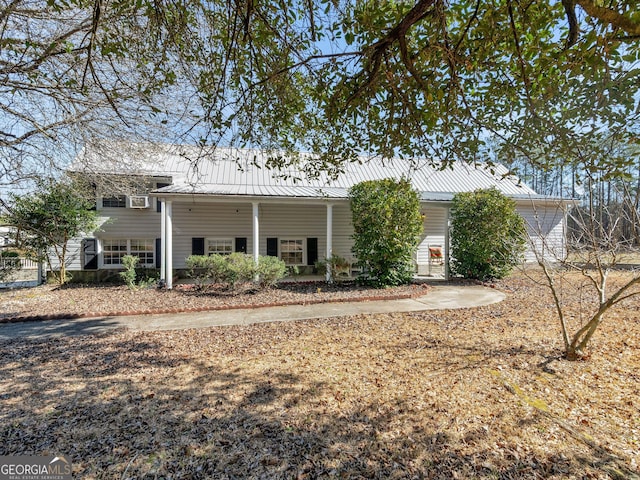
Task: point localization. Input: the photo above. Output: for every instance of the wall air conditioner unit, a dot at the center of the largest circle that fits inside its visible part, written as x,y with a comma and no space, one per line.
138,201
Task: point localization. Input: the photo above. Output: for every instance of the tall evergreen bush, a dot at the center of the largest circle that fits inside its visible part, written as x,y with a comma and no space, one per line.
387,225
488,235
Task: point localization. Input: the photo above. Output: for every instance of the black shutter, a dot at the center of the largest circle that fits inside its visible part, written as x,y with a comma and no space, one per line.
312,251
90,253
197,246
272,247
158,252
241,244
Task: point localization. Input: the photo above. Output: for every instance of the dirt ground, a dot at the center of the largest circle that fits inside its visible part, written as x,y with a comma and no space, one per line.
459,394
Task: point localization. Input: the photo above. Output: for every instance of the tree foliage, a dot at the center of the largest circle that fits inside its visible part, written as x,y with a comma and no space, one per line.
433,79
488,236
9,264
387,224
47,219
75,71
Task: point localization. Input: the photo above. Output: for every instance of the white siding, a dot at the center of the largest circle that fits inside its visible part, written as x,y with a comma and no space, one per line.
126,224
229,220
72,260
208,220
129,223
546,229
342,231
293,221
435,226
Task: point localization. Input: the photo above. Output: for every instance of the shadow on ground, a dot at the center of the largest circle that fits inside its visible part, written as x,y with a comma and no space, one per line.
123,405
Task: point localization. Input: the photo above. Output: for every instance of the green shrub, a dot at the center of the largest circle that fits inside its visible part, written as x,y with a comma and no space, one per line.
208,268
129,262
135,277
320,267
387,225
146,277
235,269
488,236
196,265
240,269
336,263
270,270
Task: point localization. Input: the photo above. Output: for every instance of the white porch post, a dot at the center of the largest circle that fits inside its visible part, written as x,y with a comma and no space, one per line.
256,232
168,245
163,243
329,253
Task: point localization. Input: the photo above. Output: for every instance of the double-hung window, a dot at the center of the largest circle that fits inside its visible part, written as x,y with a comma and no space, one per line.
114,250
219,246
116,201
292,251
143,249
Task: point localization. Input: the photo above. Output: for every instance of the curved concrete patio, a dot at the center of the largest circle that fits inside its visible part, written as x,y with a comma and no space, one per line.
438,298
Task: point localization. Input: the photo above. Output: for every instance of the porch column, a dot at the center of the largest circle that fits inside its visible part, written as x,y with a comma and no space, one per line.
329,253
163,242
256,232
168,227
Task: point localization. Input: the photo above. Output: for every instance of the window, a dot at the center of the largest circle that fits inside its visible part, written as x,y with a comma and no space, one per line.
219,246
292,252
143,249
114,250
117,201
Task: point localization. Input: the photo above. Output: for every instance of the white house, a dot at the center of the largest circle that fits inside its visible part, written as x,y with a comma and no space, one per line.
189,201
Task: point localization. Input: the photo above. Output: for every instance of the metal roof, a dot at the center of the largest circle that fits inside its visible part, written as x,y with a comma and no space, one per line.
232,171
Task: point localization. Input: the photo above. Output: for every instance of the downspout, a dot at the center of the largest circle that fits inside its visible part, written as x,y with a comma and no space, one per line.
446,243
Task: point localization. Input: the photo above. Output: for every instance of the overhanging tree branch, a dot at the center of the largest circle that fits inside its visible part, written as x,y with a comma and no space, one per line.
610,17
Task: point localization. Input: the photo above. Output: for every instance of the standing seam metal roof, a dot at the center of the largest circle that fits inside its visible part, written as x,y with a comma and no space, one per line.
231,171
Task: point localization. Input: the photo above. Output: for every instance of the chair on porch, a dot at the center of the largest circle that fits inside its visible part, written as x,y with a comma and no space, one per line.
435,255
436,258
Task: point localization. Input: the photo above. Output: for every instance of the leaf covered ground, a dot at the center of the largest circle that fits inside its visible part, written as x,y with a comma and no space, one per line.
102,300
475,393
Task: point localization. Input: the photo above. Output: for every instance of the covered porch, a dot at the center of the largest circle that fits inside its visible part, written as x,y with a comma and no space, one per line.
300,231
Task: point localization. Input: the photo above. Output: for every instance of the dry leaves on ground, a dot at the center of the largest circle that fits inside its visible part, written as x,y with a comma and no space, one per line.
474,393
108,299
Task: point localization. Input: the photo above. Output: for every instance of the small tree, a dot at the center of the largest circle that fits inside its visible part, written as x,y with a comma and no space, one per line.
46,219
387,224
596,246
488,236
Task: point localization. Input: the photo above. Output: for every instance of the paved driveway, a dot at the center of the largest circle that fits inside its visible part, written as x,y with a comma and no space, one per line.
438,298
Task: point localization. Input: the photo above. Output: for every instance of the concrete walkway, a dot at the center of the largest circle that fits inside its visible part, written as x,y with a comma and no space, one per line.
438,298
